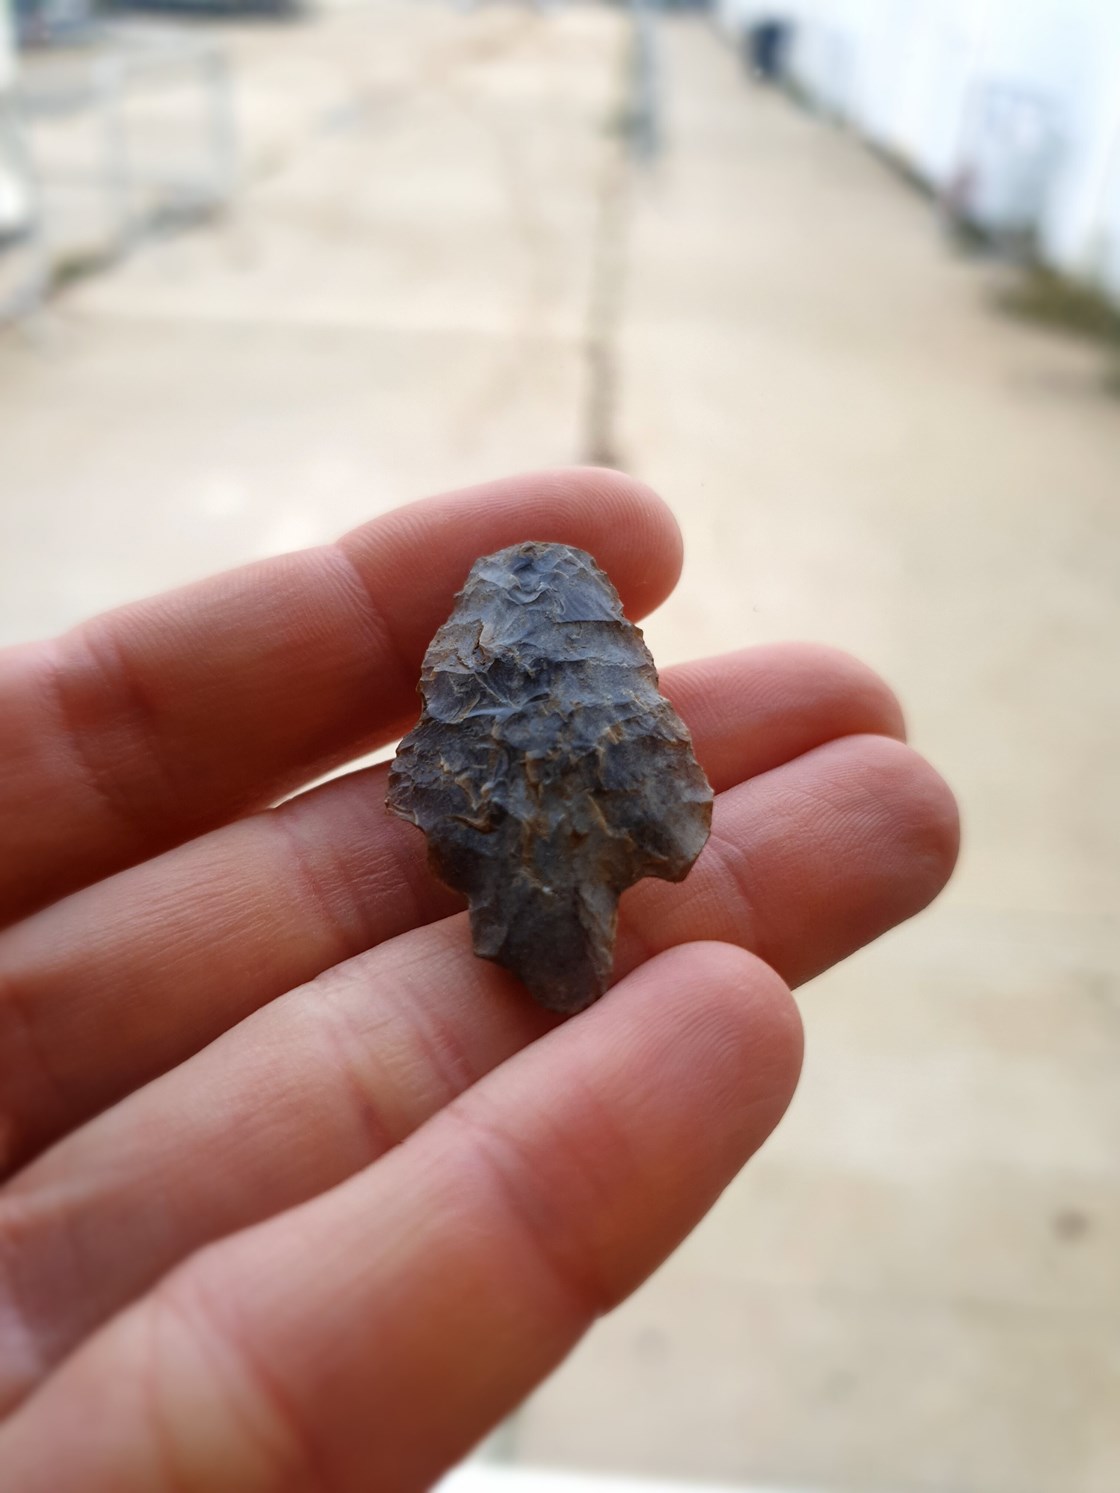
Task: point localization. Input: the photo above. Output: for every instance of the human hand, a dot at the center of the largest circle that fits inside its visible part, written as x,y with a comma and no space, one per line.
300,1194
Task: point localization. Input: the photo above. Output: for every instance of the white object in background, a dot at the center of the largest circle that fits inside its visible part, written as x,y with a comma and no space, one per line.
7,47
1010,149
15,191
481,1477
15,202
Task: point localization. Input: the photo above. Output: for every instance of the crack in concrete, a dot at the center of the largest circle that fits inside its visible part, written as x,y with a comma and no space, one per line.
608,269
608,272
636,138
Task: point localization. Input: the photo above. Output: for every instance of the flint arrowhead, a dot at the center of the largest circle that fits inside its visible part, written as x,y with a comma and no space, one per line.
547,770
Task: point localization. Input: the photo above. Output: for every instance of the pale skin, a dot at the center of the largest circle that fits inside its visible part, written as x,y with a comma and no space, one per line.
299,1194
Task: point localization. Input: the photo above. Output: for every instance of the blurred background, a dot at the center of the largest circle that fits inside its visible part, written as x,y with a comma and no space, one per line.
841,278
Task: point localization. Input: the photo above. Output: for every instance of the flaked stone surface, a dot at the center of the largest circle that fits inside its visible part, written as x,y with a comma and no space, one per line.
547,770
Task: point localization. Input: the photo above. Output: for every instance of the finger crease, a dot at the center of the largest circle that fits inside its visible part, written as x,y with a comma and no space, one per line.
443,1051
734,866
23,1357
162,1430
378,621
18,1011
233,1358
336,929
124,809
341,1035
577,1281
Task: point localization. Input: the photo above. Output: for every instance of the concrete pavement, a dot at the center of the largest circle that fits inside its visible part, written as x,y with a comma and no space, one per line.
915,1285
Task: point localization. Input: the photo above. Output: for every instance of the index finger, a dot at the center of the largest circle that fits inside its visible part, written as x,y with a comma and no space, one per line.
154,723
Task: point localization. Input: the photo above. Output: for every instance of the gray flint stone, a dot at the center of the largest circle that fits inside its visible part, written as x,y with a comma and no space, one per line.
547,770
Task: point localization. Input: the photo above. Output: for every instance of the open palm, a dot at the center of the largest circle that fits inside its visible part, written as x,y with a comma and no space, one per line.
299,1193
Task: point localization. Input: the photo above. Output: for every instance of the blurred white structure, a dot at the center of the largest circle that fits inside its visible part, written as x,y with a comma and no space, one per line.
7,47
1010,108
486,1478
15,188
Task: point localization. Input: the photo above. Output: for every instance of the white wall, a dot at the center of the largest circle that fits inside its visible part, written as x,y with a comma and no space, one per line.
479,1477
911,75
7,45
15,201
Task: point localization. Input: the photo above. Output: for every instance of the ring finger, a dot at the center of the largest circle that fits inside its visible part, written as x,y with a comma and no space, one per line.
838,845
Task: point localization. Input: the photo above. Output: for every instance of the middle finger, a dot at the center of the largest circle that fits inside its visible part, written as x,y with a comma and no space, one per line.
121,981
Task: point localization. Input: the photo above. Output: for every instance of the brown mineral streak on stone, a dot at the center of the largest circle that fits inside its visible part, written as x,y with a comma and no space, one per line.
547,770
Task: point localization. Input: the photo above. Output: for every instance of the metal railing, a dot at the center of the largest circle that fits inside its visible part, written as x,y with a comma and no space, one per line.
131,192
